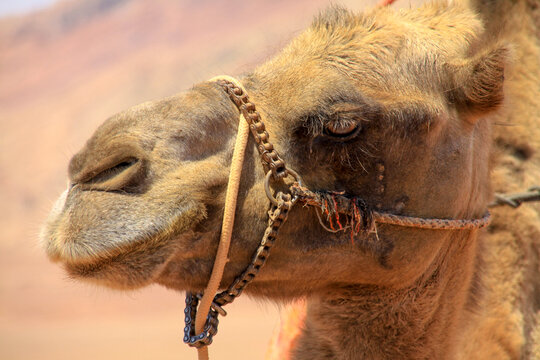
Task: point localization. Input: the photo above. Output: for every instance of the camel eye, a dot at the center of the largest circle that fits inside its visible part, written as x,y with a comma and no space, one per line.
342,129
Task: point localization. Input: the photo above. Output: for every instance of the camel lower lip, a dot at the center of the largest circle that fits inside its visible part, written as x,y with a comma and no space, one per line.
128,269
78,254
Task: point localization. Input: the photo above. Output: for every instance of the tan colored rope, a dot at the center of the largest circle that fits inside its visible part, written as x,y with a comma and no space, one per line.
227,225
432,223
334,204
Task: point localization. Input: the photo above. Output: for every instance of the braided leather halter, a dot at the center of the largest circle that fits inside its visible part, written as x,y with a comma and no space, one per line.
355,213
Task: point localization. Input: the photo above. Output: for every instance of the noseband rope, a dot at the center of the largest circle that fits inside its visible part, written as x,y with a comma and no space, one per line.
201,323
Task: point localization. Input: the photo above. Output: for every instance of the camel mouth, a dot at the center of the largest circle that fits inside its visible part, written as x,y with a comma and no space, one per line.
75,252
130,266
102,239
130,269
72,253
159,262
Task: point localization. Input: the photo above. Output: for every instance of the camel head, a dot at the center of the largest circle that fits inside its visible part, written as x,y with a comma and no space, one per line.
386,105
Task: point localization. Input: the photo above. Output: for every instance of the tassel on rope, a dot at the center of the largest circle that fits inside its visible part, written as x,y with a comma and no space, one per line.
333,205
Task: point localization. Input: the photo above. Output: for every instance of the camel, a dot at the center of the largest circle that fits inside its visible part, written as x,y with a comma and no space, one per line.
421,112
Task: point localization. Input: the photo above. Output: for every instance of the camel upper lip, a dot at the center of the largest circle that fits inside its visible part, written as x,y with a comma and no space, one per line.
83,247
60,249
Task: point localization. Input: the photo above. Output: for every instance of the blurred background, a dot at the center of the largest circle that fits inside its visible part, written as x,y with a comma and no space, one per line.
64,68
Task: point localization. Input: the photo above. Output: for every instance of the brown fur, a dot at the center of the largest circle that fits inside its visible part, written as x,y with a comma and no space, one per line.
425,87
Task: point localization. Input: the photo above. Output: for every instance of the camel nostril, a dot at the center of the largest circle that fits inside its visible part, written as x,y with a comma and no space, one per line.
125,175
111,172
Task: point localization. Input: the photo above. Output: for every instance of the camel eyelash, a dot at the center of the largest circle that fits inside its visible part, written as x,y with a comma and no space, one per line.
342,130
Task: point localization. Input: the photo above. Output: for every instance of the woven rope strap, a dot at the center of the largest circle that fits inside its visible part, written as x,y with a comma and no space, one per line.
432,223
332,204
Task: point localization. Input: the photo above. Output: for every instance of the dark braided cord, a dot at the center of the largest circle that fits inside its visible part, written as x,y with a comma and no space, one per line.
277,215
270,158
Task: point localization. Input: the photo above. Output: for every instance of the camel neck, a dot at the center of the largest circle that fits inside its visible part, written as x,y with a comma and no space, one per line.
369,322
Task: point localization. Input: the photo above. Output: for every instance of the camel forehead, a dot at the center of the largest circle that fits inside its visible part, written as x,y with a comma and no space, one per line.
379,50
433,28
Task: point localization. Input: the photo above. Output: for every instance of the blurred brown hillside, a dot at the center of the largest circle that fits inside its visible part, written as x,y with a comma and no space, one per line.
63,71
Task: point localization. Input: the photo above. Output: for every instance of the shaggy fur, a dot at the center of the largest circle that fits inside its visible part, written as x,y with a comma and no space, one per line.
421,91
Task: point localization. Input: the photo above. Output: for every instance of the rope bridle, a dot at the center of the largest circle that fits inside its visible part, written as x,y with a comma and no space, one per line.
348,212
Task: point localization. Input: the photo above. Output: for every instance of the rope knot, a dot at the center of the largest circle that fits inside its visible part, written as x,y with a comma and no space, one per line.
340,211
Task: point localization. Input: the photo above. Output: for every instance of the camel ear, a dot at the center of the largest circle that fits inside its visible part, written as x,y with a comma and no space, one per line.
478,82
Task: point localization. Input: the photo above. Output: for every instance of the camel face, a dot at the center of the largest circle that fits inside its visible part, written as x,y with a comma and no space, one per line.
380,106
